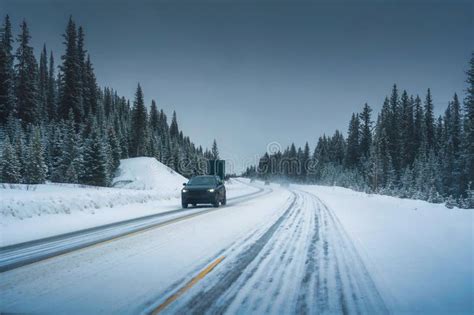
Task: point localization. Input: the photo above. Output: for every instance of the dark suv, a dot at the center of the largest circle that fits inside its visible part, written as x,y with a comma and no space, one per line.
203,189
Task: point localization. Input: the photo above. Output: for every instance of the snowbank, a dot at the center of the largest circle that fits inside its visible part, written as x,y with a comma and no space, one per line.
148,174
146,180
421,255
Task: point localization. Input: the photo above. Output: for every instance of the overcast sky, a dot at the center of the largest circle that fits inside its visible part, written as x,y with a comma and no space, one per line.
253,72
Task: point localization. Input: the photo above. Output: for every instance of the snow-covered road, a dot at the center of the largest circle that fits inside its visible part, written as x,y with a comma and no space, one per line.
303,263
129,274
29,252
284,251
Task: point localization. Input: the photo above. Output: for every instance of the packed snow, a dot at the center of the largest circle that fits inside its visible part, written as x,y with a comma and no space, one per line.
145,173
147,186
420,254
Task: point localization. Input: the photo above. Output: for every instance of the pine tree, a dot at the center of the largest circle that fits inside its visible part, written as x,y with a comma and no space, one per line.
70,93
9,164
429,125
81,65
468,146
56,154
418,137
36,165
366,131
90,90
407,131
139,133
72,157
96,169
154,118
452,137
174,130
393,130
214,151
305,163
51,91
26,82
43,85
7,77
115,150
353,143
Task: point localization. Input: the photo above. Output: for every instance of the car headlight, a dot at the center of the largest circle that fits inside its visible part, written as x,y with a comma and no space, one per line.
184,190
211,190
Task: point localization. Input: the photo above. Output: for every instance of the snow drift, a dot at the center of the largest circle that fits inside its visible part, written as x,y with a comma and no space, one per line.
146,173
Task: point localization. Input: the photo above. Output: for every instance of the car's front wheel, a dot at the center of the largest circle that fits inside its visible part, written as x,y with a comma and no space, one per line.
216,202
185,205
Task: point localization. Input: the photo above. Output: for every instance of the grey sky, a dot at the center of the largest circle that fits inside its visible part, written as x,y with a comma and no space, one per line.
249,73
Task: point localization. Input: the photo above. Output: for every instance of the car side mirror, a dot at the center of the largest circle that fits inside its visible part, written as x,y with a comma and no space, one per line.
184,184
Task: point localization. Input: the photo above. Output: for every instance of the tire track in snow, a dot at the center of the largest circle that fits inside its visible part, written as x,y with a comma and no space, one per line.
204,299
304,263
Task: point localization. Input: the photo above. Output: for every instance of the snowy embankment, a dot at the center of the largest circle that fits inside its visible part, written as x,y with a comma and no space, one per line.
143,186
421,255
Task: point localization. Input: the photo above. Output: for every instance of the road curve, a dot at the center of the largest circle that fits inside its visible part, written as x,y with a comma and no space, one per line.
304,263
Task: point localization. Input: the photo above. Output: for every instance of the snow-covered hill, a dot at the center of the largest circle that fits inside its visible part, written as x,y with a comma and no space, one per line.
146,173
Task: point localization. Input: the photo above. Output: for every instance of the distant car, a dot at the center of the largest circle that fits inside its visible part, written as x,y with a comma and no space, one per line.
267,182
204,189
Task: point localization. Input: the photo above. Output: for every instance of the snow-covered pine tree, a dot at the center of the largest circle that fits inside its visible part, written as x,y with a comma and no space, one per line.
9,164
365,130
154,118
353,143
96,169
139,126
115,150
468,141
407,132
215,150
71,163
392,128
35,164
174,130
429,125
454,143
418,134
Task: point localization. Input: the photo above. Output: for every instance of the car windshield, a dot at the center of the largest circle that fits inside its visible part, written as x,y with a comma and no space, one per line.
202,180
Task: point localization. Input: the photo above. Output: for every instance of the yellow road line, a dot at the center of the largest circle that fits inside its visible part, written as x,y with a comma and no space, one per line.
188,285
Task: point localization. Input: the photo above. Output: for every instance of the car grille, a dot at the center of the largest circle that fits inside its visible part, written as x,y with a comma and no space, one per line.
197,193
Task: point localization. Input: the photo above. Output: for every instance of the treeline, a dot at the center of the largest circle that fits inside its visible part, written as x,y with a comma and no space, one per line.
406,152
59,125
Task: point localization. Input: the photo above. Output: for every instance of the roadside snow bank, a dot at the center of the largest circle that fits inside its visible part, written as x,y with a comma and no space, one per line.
147,173
146,180
421,255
